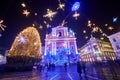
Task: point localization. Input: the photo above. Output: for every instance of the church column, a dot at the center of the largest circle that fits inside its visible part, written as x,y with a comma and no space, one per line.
75,47
45,47
52,47
55,48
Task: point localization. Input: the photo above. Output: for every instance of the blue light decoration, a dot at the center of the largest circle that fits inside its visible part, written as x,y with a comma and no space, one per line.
115,19
75,6
21,39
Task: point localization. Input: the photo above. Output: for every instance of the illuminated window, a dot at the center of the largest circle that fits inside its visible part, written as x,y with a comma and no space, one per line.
60,34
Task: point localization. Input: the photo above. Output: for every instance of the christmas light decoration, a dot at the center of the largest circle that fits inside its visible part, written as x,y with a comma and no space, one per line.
50,14
26,12
84,31
75,6
76,15
115,19
110,28
23,5
61,5
2,26
27,43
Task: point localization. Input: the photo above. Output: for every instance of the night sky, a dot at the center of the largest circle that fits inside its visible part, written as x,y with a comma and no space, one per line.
100,12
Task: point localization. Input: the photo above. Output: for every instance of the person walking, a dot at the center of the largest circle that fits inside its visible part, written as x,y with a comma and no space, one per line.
79,69
65,66
84,68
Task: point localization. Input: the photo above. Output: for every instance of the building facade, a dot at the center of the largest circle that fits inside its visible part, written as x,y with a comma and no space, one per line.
60,45
115,41
96,50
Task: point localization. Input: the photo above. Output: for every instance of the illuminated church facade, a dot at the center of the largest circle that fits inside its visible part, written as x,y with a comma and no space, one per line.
60,46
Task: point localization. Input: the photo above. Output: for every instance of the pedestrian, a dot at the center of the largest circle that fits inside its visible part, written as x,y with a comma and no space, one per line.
84,68
65,66
79,68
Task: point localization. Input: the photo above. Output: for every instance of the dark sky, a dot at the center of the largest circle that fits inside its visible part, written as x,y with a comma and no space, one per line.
99,12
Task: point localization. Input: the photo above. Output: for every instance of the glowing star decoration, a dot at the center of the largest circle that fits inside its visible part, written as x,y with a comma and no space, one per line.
26,12
21,39
75,6
50,14
115,19
23,5
2,26
76,15
61,5
84,31
95,29
110,28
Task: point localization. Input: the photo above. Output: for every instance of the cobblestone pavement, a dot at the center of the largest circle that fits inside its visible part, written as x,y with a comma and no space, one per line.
92,73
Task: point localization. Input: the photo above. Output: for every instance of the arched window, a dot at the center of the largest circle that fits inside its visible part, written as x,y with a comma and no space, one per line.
60,34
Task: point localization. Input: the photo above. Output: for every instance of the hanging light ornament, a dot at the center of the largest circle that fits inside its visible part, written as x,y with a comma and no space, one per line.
50,14
76,15
110,28
23,5
61,5
26,12
2,26
75,7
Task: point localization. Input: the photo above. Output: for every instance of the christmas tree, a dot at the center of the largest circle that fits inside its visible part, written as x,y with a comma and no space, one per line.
26,48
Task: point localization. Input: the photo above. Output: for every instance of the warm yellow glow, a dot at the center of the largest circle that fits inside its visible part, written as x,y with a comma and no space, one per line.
23,5
50,14
61,5
110,28
26,12
2,26
76,15
89,23
102,38
30,47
